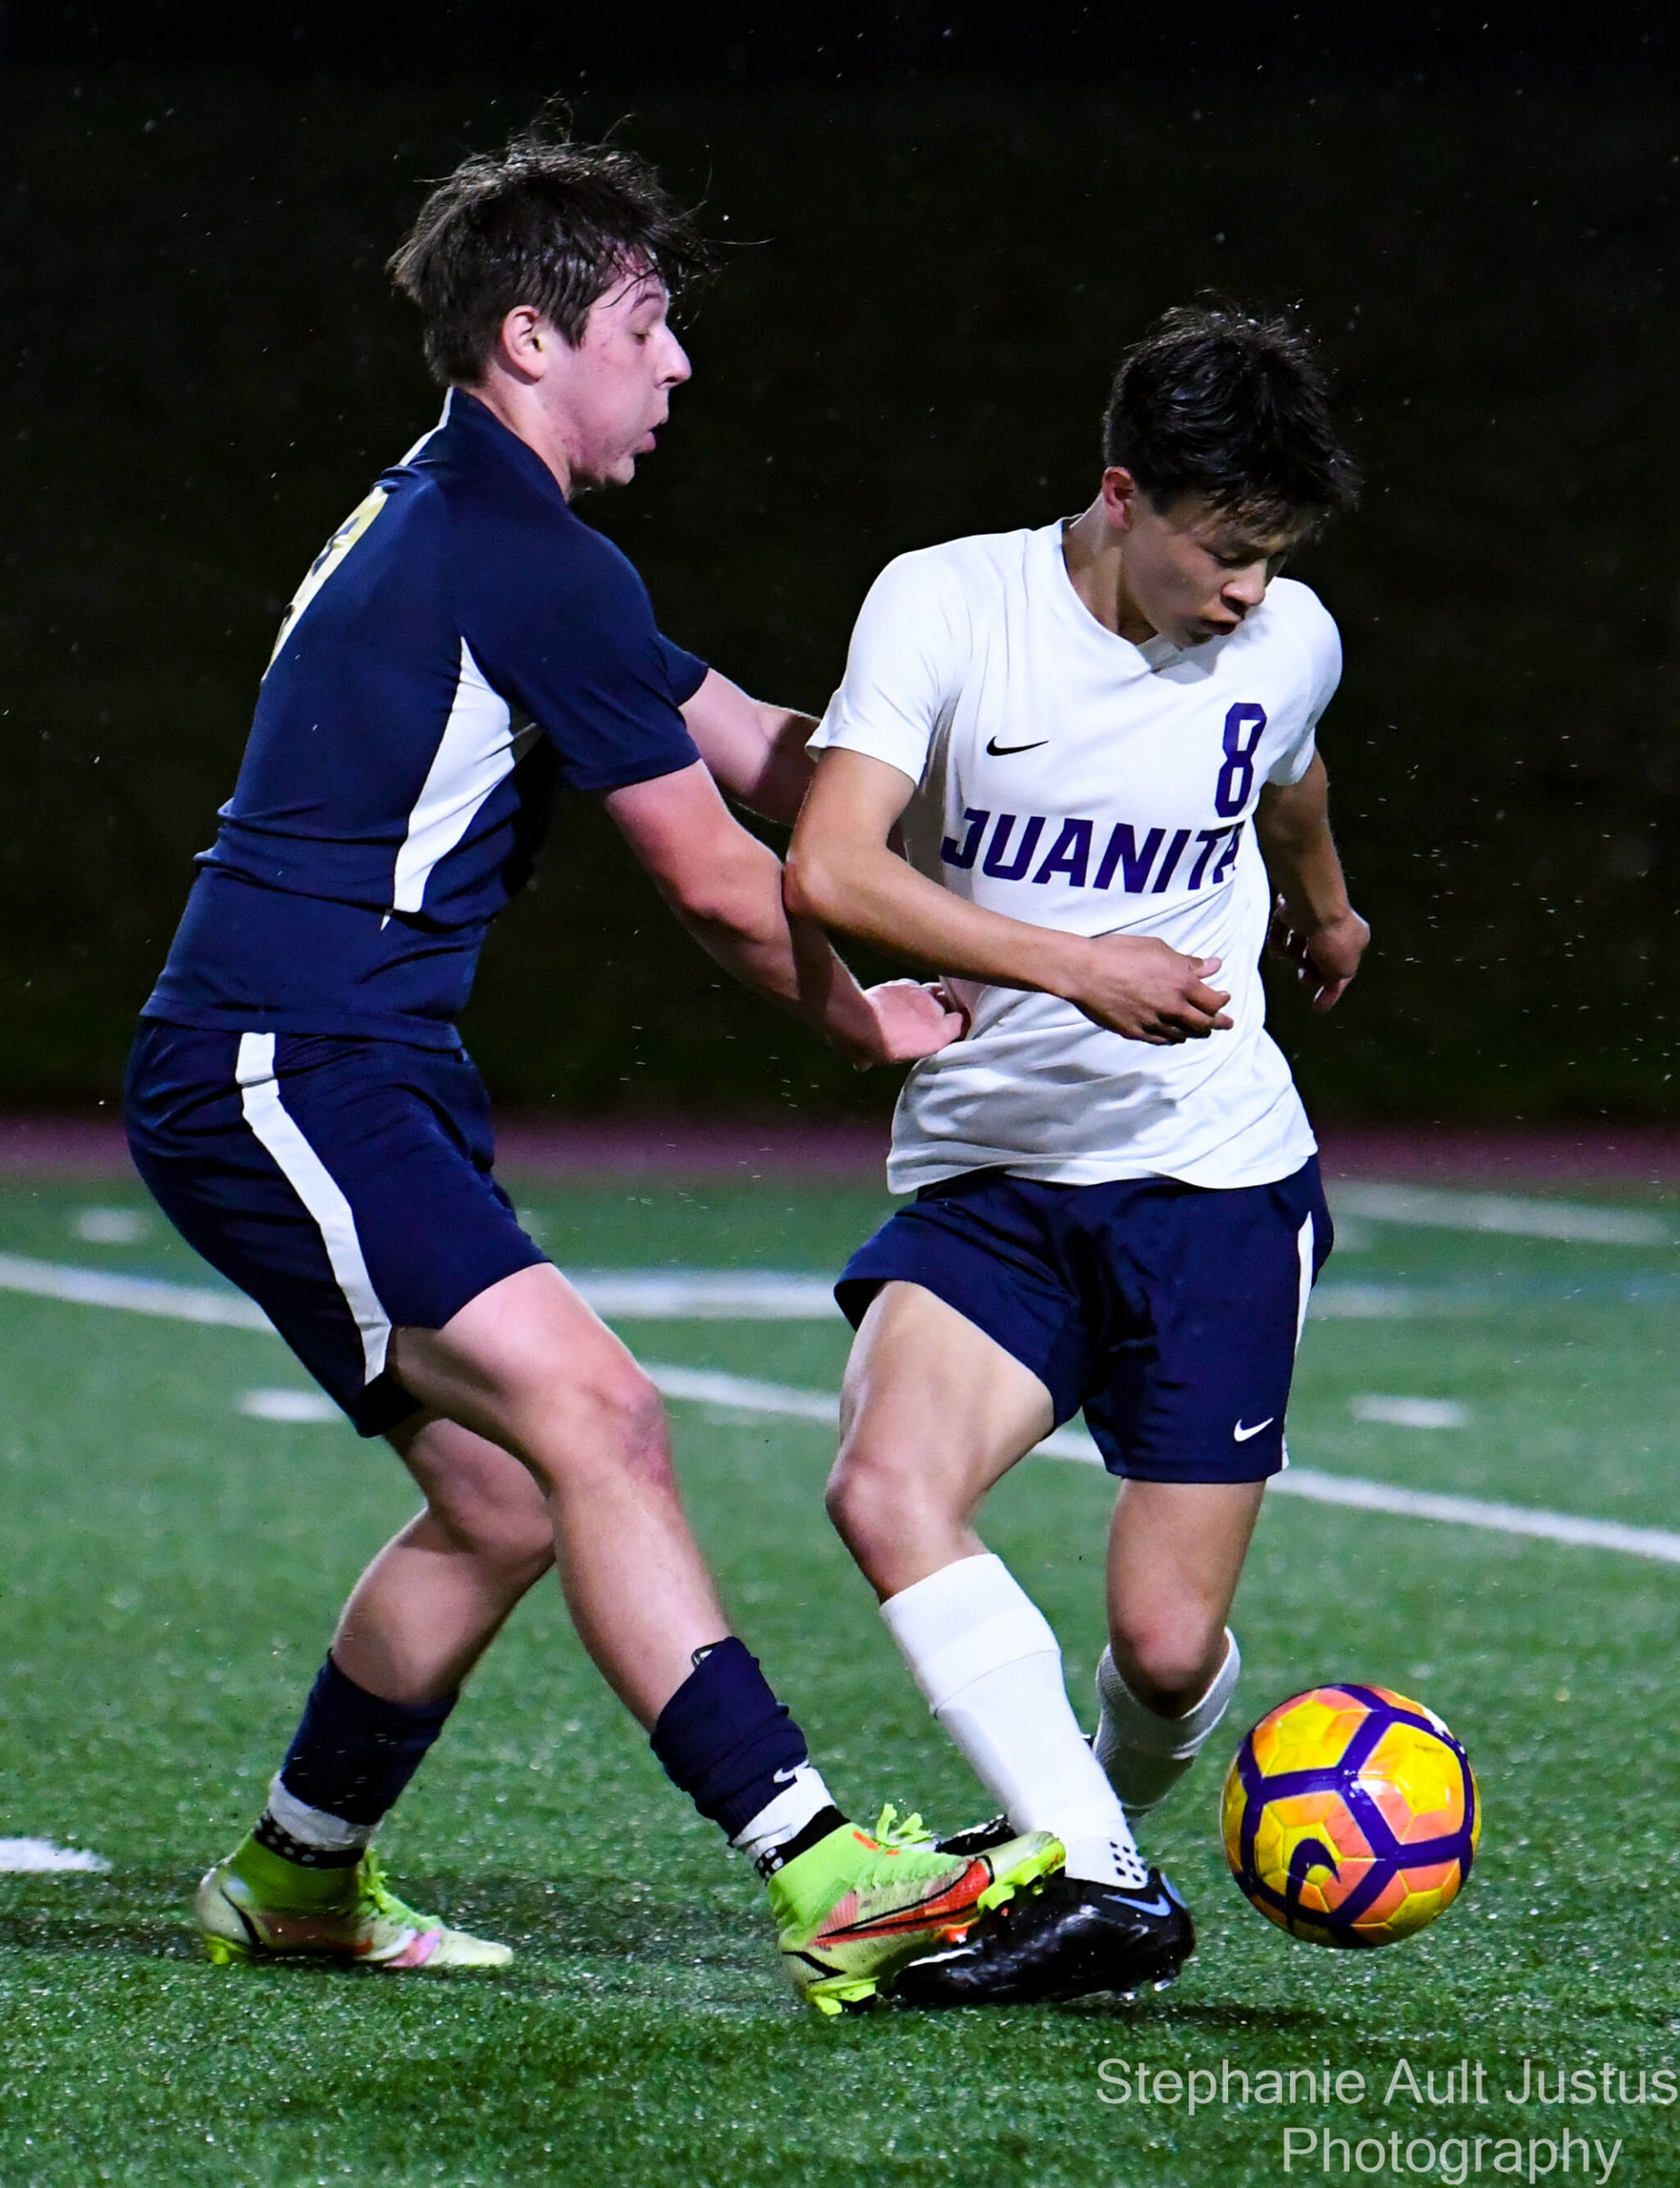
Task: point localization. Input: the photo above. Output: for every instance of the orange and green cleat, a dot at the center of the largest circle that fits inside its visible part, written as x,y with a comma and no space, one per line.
257,1906
857,1907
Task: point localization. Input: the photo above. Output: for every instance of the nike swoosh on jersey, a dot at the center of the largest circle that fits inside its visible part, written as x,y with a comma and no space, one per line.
1000,751
1241,1435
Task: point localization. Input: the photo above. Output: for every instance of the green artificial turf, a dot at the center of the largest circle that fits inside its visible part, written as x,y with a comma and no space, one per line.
171,1573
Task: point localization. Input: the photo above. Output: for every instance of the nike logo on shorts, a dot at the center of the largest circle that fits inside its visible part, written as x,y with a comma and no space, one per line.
1000,751
1241,1435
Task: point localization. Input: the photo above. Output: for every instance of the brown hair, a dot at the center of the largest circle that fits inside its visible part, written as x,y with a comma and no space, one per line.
547,223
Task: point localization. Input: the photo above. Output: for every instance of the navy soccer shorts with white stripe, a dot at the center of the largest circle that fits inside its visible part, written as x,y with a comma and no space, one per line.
1170,1313
343,1184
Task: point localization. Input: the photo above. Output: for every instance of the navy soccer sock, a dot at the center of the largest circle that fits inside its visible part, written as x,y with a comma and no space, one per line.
351,1756
727,1743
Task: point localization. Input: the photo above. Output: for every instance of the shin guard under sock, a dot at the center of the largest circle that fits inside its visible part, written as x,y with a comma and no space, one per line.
725,1740
351,1756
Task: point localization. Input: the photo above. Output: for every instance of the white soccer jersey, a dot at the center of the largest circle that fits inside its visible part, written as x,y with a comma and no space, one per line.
1067,777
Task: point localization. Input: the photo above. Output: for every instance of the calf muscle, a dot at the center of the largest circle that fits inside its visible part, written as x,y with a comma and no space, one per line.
1175,1554
526,1367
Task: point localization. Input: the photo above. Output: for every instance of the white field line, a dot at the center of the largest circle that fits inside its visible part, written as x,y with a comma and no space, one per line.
199,1304
1503,1212
17,1855
288,1405
630,1295
705,1295
109,1227
1381,1302
633,1295
139,1294
1411,1413
1472,1512
740,1395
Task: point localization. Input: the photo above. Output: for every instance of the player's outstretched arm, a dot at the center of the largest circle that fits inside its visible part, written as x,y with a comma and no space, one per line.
755,751
725,888
842,870
1314,926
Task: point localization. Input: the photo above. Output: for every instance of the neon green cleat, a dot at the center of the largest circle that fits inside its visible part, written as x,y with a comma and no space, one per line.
257,1906
855,1908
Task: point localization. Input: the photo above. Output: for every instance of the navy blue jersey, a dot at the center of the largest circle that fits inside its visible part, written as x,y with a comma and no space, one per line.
463,647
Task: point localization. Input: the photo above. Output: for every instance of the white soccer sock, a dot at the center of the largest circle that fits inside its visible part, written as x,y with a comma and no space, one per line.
1145,1754
314,1827
989,1668
787,1816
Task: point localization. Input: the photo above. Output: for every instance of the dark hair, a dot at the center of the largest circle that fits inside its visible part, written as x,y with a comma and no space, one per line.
547,223
1217,402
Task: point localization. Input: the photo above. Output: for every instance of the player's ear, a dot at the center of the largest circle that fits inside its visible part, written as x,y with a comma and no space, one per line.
523,342
1121,494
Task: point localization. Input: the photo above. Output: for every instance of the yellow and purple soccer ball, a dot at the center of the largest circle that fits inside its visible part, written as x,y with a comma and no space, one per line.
1351,1816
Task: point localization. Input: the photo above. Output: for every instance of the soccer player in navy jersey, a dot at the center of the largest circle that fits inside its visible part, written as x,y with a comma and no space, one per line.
299,1102
1098,740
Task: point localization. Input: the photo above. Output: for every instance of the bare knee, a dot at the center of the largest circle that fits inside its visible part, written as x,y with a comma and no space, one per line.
480,1501
850,1499
515,1536
631,1415
859,1496
886,1513
1169,1655
607,1422
485,1505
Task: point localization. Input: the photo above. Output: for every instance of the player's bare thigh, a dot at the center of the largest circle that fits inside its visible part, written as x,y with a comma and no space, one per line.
527,1365
932,1412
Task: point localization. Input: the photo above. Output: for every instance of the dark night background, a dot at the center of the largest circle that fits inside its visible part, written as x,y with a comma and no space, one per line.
950,221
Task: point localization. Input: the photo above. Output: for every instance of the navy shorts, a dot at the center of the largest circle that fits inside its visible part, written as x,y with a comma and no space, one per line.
1170,1313
344,1184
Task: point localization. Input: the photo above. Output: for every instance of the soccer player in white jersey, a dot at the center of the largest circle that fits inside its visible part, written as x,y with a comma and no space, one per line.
1097,739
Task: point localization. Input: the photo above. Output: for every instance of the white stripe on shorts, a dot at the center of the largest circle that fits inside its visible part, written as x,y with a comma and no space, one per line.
1304,1248
310,1179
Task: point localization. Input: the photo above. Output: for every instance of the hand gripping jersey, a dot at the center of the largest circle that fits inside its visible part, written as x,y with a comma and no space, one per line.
463,646
1068,777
